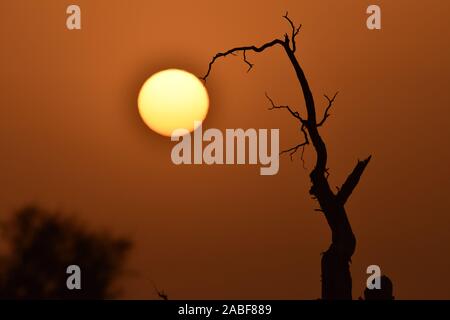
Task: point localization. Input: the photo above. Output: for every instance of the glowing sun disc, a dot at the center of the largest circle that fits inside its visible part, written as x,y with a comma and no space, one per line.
172,99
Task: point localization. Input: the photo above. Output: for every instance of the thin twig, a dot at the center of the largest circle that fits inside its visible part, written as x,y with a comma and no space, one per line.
326,113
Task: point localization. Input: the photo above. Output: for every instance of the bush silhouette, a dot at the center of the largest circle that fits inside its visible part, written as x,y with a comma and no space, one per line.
40,245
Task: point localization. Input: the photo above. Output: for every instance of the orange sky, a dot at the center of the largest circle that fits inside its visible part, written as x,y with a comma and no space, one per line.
71,139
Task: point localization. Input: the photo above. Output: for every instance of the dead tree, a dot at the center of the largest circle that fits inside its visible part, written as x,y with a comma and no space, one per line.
335,264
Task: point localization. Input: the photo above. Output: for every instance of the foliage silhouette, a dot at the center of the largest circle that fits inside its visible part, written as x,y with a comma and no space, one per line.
336,277
40,245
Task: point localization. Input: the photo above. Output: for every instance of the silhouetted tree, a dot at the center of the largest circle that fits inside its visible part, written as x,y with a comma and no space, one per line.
336,278
40,246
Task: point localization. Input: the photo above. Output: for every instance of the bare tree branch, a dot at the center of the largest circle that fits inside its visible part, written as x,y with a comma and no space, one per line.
352,181
285,43
295,31
302,158
250,65
293,150
305,135
326,113
295,114
244,49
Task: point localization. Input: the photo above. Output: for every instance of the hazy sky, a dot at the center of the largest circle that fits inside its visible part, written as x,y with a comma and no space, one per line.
71,139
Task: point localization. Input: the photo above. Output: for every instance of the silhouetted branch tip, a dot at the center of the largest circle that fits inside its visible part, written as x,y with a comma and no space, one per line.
285,44
295,114
352,181
239,49
250,65
161,294
293,150
295,31
301,158
326,113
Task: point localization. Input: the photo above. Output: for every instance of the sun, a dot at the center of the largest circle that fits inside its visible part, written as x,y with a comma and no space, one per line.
173,99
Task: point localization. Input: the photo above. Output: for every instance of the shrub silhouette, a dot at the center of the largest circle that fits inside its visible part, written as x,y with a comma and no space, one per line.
40,245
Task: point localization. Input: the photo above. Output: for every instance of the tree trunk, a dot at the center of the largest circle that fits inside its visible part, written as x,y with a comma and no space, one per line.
335,264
